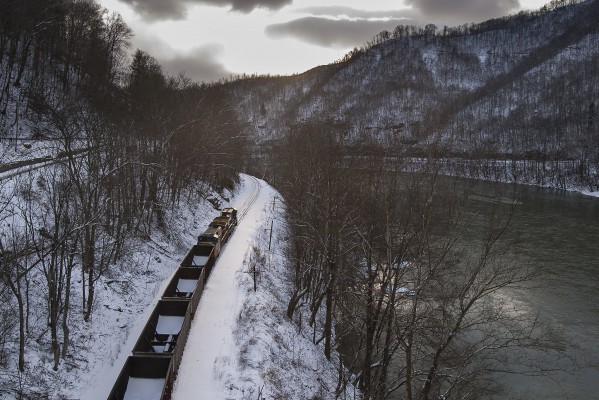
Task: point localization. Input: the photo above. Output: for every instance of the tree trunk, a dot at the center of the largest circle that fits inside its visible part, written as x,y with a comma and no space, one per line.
295,298
366,377
83,297
17,292
328,323
65,313
386,359
55,344
88,265
23,63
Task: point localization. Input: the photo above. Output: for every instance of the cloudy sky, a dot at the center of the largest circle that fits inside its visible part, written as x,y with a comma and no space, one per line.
211,39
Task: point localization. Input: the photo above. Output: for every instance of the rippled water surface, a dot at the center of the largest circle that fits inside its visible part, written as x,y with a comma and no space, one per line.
559,231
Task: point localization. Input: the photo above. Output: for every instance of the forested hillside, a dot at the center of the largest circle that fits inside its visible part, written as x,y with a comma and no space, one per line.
122,143
379,267
66,75
523,87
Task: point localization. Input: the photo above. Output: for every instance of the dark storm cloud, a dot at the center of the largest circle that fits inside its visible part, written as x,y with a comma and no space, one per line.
201,64
340,33
249,5
153,10
461,11
340,11
159,9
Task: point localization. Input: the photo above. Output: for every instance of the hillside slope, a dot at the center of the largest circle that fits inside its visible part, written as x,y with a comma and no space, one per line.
524,86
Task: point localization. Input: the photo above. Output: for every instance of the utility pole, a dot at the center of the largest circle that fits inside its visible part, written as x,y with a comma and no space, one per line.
254,272
274,199
17,126
270,236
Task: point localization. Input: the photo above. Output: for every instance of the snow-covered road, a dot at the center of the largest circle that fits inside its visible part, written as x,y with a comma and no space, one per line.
210,348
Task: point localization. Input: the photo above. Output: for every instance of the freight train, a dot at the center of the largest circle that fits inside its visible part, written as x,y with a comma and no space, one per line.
150,371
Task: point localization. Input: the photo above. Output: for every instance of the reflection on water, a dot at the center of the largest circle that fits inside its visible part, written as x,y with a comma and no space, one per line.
559,231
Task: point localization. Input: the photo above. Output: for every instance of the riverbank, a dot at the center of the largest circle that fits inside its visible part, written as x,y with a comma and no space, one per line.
566,175
586,193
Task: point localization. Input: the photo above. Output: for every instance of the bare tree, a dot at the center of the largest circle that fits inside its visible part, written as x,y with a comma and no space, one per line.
14,272
16,266
419,290
53,239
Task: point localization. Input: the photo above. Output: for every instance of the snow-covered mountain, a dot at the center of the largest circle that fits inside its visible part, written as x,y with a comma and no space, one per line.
523,86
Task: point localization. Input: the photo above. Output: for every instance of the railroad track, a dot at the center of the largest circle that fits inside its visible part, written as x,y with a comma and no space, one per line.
10,170
247,204
157,353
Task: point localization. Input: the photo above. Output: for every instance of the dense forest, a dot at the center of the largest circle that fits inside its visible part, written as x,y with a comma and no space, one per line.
129,143
379,269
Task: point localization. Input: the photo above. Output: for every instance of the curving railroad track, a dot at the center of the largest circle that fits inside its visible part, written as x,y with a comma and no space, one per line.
154,362
247,204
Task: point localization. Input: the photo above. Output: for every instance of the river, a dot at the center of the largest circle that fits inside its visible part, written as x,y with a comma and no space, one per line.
559,231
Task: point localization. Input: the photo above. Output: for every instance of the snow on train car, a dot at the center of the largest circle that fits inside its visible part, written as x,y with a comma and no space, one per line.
151,370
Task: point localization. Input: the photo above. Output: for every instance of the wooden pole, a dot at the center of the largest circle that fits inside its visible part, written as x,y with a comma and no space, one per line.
255,272
270,238
17,126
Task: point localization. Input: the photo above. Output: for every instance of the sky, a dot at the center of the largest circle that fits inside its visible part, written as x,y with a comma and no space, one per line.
212,39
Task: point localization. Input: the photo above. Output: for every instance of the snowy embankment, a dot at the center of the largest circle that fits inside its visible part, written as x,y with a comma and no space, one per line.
241,346
558,175
593,194
125,295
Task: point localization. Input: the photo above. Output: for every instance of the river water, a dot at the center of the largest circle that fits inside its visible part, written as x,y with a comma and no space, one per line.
559,231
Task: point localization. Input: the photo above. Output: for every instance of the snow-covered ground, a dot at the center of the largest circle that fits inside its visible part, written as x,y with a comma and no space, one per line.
241,345
26,150
593,194
125,301
125,297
